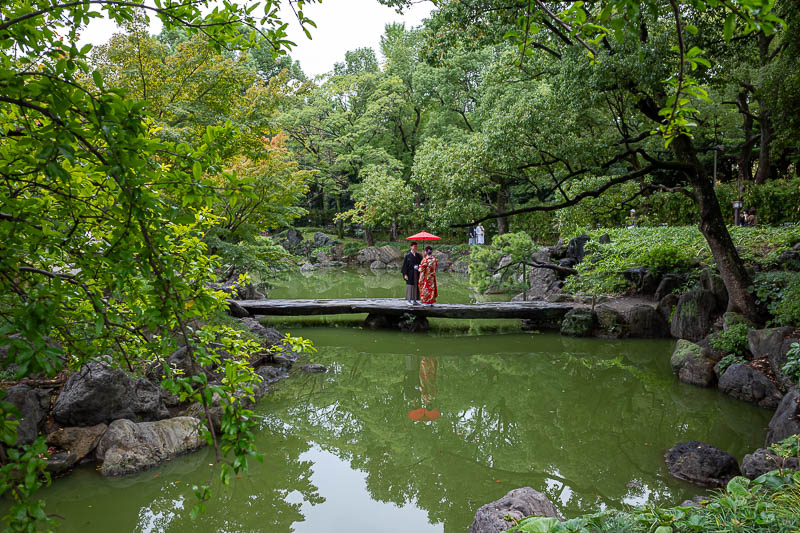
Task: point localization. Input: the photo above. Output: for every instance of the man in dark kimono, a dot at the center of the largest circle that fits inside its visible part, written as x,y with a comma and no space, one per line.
410,274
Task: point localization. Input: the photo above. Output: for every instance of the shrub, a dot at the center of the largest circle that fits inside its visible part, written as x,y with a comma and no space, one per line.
667,258
729,360
732,341
792,366
780,293
351,248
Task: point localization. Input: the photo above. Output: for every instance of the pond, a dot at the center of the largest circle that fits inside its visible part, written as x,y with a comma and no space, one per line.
414,432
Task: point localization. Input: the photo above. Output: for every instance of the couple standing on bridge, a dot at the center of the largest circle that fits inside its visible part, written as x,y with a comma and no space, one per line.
420,276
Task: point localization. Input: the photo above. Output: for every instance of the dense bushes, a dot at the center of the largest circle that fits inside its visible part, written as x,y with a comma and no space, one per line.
779,292
679,249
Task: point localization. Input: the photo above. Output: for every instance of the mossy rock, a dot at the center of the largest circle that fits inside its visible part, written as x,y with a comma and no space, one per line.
578,323
693,364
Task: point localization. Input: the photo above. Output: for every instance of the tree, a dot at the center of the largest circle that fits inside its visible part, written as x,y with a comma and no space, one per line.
99,259
614,38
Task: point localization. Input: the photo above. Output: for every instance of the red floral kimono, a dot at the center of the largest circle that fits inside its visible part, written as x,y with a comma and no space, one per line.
427,279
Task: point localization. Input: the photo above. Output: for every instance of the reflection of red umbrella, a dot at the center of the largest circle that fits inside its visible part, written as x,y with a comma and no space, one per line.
423,236
424,415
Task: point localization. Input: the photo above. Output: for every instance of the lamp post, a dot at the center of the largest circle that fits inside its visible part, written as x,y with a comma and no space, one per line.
737,205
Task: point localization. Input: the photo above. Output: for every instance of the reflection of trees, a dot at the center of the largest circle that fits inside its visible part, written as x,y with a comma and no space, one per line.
257,502
586,429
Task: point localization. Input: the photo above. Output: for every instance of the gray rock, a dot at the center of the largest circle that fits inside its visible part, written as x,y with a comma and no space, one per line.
558,250
99,394
271,374
377,265
389,254
604,239
32,405
645,322
294,238
669,283
712,282
773,343
701,464
730,319
697,500
544,282
666,305
764,460
306,267
610,321
79,441
270,335
577,247
644,281
578,322
693,364
60,462
413,323
694,315
789,260
517,504
128,447
750,385
236,310
313,368
786,420
567,262
461,267
321,239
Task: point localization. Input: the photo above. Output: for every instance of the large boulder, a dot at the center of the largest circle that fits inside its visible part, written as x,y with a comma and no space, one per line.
543,282
693,364
643,280
701,464
293,239
666,305
644,321
668,285
390,255
236,310
764,460
786,420
773,343
99,394
321,239
75,443
32,405
270,335
576,248
746,383
712,282
694,315
127,447
610,322
377,265
516,505
578,322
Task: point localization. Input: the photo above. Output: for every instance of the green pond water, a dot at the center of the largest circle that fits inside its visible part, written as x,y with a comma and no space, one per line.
414,432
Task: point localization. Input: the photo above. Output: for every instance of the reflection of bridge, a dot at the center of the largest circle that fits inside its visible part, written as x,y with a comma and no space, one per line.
541,314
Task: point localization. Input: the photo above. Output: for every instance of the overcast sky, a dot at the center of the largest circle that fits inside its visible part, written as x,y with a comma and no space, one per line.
342,25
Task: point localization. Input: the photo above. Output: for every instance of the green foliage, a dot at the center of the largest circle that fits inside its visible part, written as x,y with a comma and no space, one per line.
667,258
728,360
792,366
780,292
767,503
105,197
485,261
637,246
731,341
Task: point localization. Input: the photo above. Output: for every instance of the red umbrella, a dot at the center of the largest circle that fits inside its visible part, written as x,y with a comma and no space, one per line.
426,415
423,236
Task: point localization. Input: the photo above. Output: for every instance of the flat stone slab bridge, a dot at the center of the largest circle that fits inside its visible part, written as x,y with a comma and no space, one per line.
395,312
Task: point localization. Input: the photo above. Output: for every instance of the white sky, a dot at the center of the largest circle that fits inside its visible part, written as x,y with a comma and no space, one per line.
342,25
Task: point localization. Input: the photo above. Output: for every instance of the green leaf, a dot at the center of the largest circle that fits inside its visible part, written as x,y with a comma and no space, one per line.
729,27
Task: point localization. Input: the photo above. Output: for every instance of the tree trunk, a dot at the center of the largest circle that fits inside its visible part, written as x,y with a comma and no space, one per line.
764,116
712,226
393,230
743,158
340,222
368,237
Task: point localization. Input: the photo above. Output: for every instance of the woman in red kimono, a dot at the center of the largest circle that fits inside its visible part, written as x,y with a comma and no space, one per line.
427,278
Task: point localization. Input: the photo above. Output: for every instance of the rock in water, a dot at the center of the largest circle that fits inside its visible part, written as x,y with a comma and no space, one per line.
694,315
645,322
693,364
578,322
313,368
127,447
786,420
32,405
517,504
764,460
746,383
99,394
701,464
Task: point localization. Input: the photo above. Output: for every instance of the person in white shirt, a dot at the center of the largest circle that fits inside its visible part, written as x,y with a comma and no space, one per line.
480,233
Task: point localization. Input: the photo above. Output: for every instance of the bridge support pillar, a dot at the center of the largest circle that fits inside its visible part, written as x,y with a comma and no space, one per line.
405,322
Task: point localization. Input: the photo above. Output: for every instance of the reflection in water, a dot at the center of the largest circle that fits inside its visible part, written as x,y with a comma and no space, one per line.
586,421
428,367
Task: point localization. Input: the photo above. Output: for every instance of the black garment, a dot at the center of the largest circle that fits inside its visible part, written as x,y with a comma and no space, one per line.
471,231
411,260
